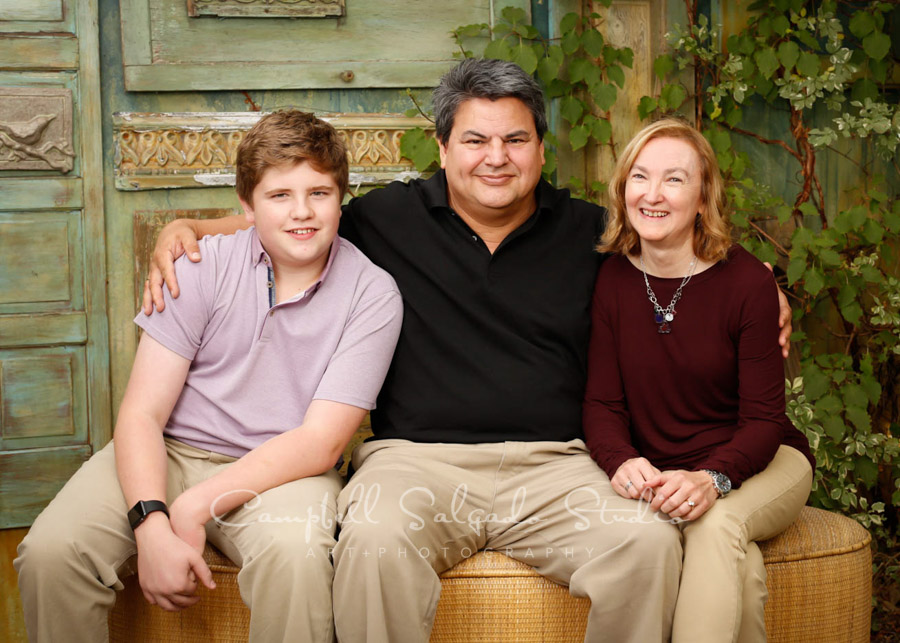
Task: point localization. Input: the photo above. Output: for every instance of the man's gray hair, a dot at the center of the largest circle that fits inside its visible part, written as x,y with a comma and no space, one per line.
485,78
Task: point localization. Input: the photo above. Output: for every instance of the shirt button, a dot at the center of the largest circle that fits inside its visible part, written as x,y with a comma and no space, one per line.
474,237
269,284
271,313
266,260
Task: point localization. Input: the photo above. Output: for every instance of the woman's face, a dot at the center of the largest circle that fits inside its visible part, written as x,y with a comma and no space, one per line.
663,193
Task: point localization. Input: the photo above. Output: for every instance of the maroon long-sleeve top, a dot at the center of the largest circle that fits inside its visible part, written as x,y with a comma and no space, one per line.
708,395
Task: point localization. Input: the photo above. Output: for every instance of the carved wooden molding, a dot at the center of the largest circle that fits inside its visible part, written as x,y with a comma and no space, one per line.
266,8
199,149
36,129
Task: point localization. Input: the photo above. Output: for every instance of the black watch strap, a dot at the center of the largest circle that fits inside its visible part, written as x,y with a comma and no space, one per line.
139,512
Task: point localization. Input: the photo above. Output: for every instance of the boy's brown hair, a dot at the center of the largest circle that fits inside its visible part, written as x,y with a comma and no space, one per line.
289,137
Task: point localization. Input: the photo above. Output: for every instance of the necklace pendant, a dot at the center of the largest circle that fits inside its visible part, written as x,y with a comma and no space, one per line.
670,316
664,328
658,318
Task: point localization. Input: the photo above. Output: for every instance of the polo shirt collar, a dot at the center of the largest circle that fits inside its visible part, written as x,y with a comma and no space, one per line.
434,193
258,254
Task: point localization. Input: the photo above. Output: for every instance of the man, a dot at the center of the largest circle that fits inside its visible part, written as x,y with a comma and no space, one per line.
478,424
247,388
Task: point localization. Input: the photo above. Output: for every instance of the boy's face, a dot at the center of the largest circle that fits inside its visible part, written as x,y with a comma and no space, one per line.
296,210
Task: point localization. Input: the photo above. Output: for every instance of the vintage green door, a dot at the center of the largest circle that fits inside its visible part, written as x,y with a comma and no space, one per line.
54,375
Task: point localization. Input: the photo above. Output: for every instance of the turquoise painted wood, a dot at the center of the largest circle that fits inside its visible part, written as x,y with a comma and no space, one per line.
54,360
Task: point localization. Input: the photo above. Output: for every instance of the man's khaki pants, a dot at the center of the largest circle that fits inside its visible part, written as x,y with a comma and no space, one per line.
413,510
723,581
81,546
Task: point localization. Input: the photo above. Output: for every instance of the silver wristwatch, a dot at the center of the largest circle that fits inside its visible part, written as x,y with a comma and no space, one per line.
721,482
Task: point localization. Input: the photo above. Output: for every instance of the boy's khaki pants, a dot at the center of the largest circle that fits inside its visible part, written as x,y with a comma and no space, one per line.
81,546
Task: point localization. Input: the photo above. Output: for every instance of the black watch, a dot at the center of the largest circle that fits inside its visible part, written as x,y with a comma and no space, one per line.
144,508
721,482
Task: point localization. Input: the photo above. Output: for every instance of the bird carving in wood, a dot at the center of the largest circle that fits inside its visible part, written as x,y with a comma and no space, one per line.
27,132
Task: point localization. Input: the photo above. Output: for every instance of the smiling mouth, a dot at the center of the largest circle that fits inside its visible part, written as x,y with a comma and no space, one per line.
301,232
654,214
491,178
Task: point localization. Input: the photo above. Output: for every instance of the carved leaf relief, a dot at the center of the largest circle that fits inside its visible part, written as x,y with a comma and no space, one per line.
36,129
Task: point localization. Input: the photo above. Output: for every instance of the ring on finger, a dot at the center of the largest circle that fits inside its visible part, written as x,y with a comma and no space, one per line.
691,504
629,485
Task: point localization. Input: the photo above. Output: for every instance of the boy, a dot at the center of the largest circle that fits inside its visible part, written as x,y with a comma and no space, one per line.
241,399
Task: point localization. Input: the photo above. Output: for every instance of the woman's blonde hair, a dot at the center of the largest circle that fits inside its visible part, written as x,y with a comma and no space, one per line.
712,231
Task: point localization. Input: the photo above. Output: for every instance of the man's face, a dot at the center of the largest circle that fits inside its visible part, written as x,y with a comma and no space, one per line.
296,210
493,159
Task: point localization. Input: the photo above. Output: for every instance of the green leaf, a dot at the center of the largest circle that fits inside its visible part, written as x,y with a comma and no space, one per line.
813,281
602,130
524,57
592,41
420,148
616,75
867,471
877,195
788,53
514,14
578,137
829,257
859,417
571,109
815,382
872,274
548,69
662,66
862,24
809,209
892,219
498,49
873,231
829,405
605,96
852,219
766,61
673,96
877,44
834,427
795,270
807,39
864,88
854,395
570,43
648,105
808,64
783,213
569,22
847,295
780,24
626,57
578,68
872,388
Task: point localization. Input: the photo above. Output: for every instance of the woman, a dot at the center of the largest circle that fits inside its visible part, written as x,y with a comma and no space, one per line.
685,398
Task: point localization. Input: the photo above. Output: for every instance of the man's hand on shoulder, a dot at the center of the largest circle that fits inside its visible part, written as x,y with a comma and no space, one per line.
168,568
176,238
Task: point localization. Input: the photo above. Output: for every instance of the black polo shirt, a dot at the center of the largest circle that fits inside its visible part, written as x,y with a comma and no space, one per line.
493,346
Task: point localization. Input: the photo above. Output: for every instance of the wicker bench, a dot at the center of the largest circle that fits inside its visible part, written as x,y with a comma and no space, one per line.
819,579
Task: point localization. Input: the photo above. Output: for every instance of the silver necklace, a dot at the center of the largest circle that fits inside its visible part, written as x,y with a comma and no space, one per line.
665,316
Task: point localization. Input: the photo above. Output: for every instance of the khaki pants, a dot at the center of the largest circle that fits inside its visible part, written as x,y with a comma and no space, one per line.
723,580
81,546
413,510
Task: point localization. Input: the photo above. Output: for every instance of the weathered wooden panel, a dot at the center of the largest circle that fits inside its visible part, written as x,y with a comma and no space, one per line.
36,397
386,44
42,330
266,8
36,129
30,479
200,149
34,271
37,10
30,193
12,624
38,52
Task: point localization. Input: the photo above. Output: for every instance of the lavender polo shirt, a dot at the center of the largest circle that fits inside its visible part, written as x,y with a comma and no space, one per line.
255,368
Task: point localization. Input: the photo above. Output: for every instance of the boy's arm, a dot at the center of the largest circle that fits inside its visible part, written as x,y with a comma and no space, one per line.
180,237
307,450
168,568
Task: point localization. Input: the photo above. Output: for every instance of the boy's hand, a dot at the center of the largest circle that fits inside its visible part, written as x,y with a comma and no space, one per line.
188,521
176,238
168,568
